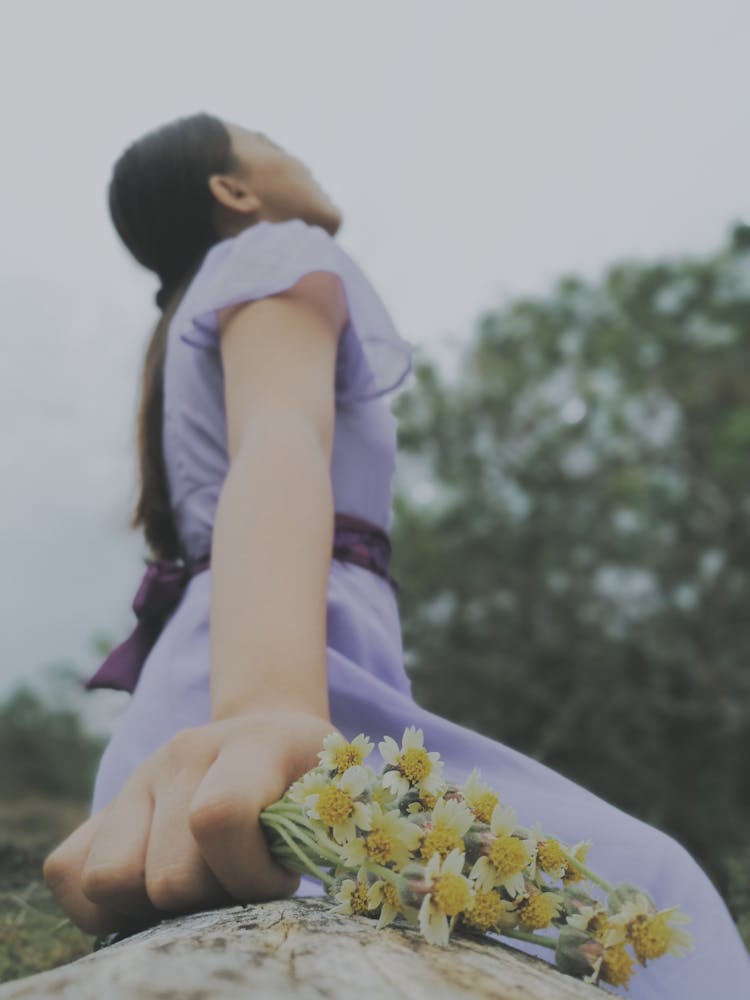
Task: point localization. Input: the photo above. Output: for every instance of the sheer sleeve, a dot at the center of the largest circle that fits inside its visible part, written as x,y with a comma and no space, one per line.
269,257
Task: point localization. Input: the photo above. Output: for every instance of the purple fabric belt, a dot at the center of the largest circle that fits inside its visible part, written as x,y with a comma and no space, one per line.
355,540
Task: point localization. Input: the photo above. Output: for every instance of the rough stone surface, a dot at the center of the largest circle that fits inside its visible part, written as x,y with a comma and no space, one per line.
298,948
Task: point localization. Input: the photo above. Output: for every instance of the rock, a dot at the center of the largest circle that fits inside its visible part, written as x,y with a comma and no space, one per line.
298,948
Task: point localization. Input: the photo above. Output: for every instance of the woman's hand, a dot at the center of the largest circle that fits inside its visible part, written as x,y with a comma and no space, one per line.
183,834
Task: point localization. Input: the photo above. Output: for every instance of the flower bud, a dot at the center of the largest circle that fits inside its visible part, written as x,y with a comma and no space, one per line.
628,892
576,951
574,899
453,791
416,887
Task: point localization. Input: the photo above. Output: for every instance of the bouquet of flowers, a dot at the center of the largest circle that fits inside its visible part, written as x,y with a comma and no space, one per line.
405,845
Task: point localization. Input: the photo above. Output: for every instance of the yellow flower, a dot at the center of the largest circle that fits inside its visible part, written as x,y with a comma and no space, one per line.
445,830
412,765
338,755
532,837
383,796
310,782
428,800
390,838
384,894
489,911
505,858
652,933
550,858
423,803
352,895
539,908
338,806
579,852
450,893
481,798
595,921
616,965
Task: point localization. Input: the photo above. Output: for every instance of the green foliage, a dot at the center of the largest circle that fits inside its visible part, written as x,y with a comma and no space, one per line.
46,776
44,749
35,933
578,586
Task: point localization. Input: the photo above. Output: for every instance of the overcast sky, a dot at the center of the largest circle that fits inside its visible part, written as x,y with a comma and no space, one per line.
478,150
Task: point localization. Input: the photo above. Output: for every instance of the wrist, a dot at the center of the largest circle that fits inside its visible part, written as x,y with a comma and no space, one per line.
291,737
224,707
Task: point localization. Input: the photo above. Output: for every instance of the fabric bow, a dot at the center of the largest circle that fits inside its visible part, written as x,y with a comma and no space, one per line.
157,596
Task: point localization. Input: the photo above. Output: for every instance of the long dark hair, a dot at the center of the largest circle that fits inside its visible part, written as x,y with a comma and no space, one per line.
163,211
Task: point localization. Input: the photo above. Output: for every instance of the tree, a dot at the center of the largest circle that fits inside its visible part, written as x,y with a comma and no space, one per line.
587,557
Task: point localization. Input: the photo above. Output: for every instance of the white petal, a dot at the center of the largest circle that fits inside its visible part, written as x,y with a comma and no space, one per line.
454,861
514,884
503,819
439,927
362,816
354,780
375,894
413,738
353,852
485,874
390,780
364,744
310,805
333,741
344,831
387,914
424,916
403,786
433,866
389,750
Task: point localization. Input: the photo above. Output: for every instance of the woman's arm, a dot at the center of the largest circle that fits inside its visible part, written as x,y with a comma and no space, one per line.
184,830
270,560
273,532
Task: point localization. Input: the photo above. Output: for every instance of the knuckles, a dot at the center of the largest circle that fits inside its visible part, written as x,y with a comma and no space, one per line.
210,817
54,870
101,882
170,890
181,747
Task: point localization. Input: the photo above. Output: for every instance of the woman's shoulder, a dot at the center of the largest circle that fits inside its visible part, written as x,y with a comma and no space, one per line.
272,247
270,257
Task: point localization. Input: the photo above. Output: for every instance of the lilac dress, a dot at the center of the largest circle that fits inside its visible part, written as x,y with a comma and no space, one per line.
369,690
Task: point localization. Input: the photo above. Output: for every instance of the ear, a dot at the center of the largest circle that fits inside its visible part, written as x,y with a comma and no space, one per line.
234,194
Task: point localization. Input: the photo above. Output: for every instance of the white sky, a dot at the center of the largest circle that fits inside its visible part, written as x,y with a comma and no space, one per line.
478,150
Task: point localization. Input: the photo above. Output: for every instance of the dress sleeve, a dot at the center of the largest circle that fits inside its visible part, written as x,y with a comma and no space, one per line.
267,258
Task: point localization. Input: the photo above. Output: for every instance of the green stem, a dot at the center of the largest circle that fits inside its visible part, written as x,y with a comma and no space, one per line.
586,872
280,816
387,873
534,938
291,809
326,879
324,853
296,814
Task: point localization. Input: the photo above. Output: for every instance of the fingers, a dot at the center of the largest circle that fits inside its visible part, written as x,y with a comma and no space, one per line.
183,833
113,871
62,875
144,860
177,876
223,818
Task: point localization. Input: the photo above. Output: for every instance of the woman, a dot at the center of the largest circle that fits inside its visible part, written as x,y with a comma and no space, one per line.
265,441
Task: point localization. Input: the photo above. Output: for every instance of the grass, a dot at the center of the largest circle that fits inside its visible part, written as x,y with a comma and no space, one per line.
35,933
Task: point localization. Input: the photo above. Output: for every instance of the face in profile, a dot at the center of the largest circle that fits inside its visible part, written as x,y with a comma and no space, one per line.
273,185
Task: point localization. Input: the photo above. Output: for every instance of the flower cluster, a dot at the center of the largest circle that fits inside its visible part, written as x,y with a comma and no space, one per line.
406,845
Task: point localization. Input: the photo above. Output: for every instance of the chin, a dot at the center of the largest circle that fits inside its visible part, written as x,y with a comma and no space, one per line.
331,222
